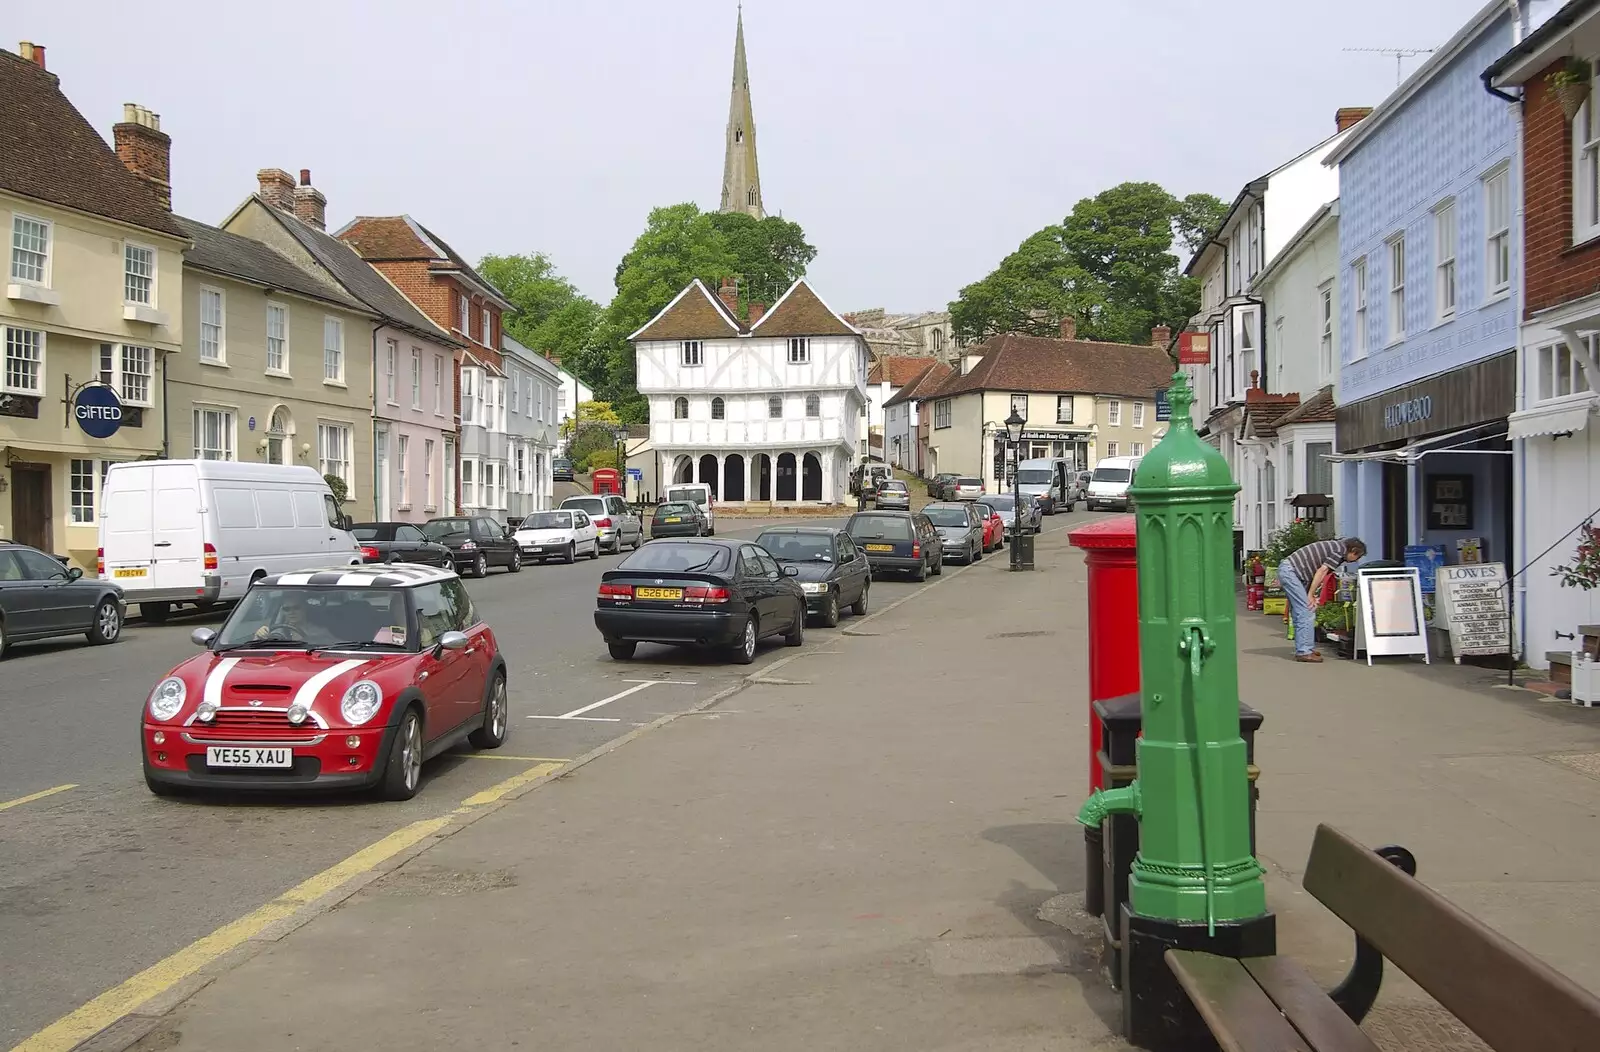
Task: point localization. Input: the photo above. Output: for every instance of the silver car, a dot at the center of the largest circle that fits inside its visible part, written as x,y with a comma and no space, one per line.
893,495
1005,507
960,527
619,526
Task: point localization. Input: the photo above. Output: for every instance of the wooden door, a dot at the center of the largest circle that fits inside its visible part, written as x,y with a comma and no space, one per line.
30,505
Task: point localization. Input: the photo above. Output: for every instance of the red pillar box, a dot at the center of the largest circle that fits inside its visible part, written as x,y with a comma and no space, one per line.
1113,593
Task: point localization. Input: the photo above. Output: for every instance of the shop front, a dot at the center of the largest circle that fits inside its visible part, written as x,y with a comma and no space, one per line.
1429,463
1069,444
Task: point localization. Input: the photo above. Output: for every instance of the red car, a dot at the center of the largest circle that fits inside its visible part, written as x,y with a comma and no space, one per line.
345,678
994,528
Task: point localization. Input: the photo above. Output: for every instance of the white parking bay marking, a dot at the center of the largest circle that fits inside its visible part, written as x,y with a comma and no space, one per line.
578,714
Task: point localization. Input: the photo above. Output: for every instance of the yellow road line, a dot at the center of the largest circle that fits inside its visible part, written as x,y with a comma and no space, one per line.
128,996
525,759
31,797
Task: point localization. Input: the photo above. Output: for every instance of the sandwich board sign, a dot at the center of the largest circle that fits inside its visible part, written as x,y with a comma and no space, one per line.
1472,602
1390,620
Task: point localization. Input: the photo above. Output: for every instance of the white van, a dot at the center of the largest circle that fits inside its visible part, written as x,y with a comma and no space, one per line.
696,493
1108,484
1048,479
200,531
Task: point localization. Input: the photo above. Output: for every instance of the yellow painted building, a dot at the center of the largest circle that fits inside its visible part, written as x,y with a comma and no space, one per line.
92,294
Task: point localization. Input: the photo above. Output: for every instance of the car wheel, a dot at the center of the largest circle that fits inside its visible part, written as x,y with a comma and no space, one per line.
480,566
621,649
796,636
938,567
107,627
594,549
830,613
744,651
516,562
402,775
976,554
496,719
859,607
572,552
920,574
155,613
5,641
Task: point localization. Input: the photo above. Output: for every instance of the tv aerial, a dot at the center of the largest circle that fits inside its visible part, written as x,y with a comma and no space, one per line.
1400,55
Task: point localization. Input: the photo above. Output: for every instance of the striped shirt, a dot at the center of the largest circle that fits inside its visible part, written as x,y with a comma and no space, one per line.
1319,553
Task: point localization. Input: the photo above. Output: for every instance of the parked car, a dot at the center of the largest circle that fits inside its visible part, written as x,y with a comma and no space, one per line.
1109,482
966,487
619,526
1002,503
994,527
892,494
1083,484
898,542
701,496
476,542
345,678
561,469
563,534
41,597
833,572
942,486
960,528
200,531
398,542
679,519
722,594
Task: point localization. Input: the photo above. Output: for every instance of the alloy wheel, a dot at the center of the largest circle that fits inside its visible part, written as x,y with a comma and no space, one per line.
411,752
497,709
749,639
109,621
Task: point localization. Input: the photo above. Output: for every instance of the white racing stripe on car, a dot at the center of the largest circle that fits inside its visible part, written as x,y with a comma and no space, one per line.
309,690
213,689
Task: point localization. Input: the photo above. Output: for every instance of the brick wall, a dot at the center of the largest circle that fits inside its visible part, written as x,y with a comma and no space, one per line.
1554,270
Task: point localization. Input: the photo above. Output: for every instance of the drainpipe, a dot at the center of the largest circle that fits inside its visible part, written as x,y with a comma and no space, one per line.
166,417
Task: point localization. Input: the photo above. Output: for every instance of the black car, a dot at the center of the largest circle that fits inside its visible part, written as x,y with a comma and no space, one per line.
476,542
399,542
701,592
40,597
898,542
941,486
833,571
679,519
561,470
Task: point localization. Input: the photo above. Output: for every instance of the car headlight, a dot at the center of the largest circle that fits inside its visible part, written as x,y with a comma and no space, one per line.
813,587
168,698
360,702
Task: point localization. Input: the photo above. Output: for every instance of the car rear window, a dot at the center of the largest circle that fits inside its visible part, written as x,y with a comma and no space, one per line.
1112,475
888,527
592,505
678,558
444,529
679,508
369,532
964,481
891,486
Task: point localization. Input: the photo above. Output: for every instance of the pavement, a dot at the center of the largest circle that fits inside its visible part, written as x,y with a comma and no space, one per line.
866,843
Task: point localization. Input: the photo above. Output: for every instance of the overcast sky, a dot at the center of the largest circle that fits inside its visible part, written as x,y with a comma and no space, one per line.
917,141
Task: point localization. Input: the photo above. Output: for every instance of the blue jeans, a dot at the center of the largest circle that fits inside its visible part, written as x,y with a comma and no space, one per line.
1299,596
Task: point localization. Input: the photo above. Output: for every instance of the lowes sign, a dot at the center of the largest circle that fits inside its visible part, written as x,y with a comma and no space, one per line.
1411,411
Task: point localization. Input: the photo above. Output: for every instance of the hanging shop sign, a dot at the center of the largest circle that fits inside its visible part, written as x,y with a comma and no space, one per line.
1472,601
1451,401
1194,348
98,410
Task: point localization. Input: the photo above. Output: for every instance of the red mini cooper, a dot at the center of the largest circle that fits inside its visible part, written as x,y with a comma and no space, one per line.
345,678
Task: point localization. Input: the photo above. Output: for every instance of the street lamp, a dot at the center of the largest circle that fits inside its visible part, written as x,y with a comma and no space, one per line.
1014,425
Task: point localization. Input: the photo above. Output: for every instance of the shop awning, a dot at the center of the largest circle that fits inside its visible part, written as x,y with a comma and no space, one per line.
1563,418
1450,442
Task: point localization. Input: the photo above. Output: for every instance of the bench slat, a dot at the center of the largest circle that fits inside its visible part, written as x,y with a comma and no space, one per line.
1306,1005
1241,1017
1509,998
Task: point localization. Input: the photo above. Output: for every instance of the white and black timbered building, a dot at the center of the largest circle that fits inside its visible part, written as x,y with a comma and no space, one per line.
762,409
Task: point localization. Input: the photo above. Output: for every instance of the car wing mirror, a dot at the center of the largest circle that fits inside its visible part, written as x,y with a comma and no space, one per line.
451,641
202,637
791,571
74,573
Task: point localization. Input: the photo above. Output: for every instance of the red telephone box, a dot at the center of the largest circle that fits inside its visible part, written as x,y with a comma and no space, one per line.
605,480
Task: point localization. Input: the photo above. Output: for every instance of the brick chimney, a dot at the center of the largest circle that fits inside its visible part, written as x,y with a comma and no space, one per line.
729,295
1069,327
142,147
1160,336
32,52
756,311
310,207
276,188
1349,116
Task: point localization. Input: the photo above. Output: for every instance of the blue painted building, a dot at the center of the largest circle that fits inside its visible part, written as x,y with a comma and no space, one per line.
1429,272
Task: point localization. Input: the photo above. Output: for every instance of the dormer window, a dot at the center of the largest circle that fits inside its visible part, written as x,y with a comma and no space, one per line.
691,352
799,350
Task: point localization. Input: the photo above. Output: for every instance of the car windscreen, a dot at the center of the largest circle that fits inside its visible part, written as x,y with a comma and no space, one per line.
447,529
592,505
691,496
368,532
680,558
548,520
1035,476
317,617
888,527
1111,475
797,547
946,516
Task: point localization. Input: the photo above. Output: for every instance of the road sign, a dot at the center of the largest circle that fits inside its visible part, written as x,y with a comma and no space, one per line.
636,473
98,410
1163,407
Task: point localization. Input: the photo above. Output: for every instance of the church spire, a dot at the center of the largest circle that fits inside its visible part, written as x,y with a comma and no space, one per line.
741,178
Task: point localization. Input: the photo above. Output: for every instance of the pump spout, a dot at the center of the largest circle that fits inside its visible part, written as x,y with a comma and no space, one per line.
1103,802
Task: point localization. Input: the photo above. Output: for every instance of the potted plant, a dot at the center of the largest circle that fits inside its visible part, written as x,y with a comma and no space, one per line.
1584,572
1570,85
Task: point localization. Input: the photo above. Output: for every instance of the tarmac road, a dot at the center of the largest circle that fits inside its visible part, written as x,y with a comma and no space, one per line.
99,879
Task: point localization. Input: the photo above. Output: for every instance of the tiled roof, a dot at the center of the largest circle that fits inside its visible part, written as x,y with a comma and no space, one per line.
693,314
1263,411
1048,366
360,279
239,257
49,152
1320,408
801,312
929,379
457,263
898,370
378,238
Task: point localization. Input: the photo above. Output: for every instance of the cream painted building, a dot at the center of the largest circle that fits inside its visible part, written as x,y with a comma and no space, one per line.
92,296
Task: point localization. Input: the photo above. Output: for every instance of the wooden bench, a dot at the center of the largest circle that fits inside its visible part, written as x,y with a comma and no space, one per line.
1509,998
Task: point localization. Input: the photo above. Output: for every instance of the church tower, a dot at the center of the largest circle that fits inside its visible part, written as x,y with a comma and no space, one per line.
741,178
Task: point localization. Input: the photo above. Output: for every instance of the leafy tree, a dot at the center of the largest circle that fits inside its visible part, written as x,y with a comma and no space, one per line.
341,492
591,413
552,315
1199,217
770,254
